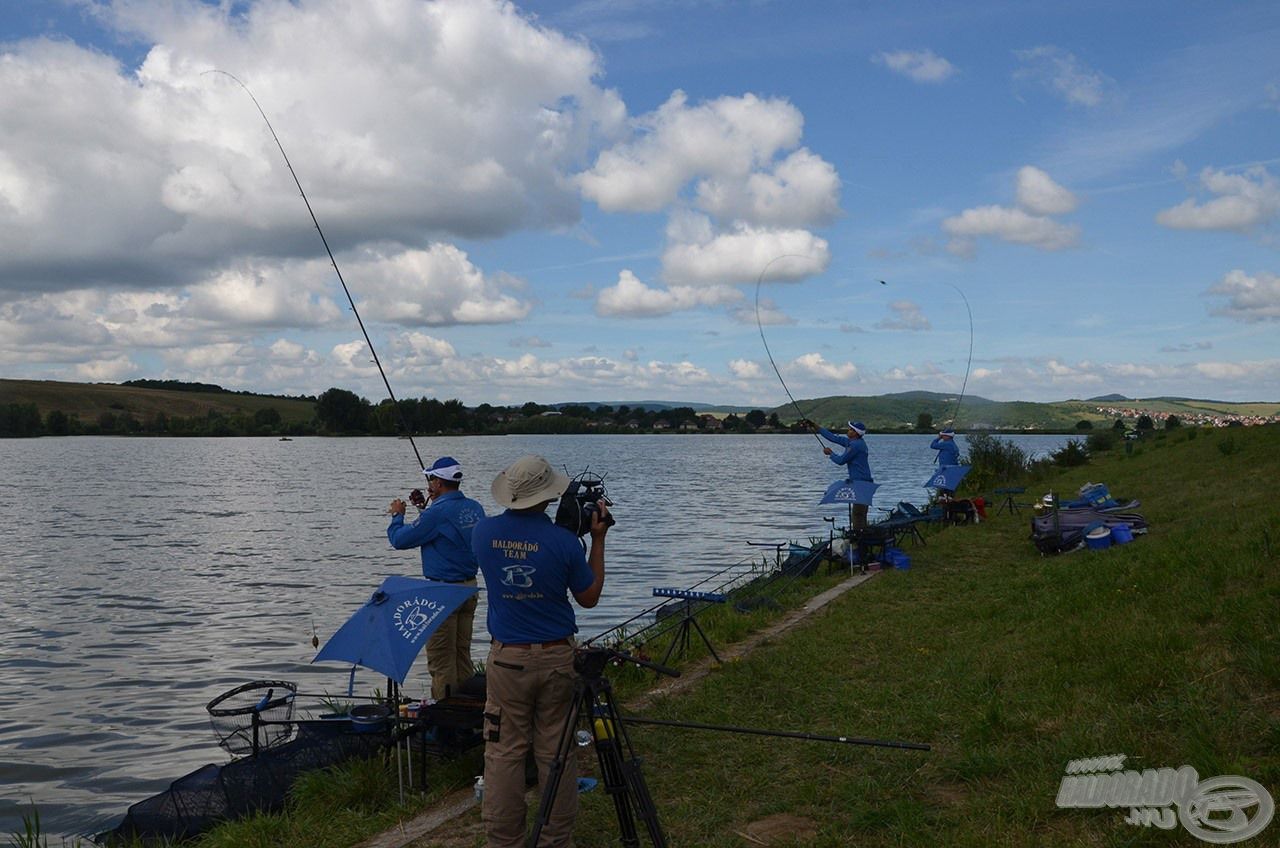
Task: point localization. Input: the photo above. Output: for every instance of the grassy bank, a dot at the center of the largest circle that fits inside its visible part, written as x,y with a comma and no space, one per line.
1166,650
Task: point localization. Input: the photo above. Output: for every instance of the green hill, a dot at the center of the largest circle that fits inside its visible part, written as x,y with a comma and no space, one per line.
902,411
89,402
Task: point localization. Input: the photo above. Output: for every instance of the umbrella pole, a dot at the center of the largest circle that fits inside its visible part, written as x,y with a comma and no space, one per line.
392,698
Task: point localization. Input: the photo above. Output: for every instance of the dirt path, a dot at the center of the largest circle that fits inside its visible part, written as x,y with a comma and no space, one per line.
460,811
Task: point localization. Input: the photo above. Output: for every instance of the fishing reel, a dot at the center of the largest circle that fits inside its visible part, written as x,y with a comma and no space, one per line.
580,502
418,499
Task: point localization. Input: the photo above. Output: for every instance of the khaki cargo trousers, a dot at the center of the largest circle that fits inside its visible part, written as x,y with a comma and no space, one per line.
529,694
449,649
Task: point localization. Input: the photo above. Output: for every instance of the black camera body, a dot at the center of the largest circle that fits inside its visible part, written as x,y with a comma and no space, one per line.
580,502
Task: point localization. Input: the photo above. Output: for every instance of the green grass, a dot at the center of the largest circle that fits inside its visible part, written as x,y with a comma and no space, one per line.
1007,663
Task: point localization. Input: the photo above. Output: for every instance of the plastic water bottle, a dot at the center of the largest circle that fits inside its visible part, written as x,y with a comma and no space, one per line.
480,788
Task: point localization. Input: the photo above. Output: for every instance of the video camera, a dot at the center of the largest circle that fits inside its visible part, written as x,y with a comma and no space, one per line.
580,502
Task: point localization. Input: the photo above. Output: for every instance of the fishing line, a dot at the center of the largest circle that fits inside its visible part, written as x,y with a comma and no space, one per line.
955,410
768,353
403,421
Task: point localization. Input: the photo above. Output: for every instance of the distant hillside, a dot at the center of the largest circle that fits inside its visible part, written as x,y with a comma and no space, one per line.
89,401
658,405
902,410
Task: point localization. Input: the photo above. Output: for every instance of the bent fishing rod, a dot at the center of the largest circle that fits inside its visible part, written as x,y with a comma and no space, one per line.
768,353
403,421
955,410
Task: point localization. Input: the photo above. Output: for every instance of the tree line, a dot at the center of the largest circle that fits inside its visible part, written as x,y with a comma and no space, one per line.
341,412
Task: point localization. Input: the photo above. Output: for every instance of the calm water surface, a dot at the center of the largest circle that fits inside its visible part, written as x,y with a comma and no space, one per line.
146,576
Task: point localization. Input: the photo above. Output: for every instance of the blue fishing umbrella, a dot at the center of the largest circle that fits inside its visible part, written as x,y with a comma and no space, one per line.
850,492
390,630
947,477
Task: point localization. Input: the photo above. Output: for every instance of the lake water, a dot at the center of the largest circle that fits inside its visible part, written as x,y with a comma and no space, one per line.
146,576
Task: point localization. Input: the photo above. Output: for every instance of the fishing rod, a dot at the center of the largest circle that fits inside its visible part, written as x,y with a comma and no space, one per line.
768,353
785,734
404,423
955,410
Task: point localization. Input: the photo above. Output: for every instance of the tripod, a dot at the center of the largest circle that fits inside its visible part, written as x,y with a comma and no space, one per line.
619,765
682,635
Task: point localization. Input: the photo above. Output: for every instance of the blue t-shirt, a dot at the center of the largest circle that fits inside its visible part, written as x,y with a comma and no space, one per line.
530,566
856,457
443,531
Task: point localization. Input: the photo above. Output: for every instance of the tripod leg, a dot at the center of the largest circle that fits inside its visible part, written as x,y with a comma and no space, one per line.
623,777
706,641
616,785
581,699
681,637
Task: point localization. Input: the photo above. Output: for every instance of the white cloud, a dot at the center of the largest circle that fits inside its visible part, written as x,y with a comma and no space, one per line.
435,287
1248,372
286,351
745,369
707,258
1244,202
906,316
1029,223
1040,195
925,374
1064,74
632,298
1012,225
419,349
265,294
212,356
814,365
161,174
802,190
1249,299
106,370
917,65
727,138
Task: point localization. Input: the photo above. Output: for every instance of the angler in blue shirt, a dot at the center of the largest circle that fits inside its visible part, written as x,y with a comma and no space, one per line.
855,458
443,533
531,567
945,445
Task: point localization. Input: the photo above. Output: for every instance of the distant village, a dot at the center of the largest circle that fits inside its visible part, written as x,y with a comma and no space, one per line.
1195,419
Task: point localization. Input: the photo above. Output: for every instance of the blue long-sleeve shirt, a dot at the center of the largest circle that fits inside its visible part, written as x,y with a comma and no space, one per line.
855,457
443,531
948,451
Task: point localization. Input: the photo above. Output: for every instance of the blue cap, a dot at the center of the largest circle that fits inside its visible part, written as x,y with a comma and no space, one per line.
946,431
858,427
445,468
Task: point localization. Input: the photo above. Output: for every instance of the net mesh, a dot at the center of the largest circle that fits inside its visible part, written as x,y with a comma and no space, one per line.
253,717
195,803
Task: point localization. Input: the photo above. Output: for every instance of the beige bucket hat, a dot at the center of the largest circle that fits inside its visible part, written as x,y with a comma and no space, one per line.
528,481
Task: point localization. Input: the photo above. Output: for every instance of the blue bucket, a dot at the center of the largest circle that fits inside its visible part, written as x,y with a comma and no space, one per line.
1121,534
897,558
1098,539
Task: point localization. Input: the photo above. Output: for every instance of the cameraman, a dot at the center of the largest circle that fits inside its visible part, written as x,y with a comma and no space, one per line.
443,532
530,566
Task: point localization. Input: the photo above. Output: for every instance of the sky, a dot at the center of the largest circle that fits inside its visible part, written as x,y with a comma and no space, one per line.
606,200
